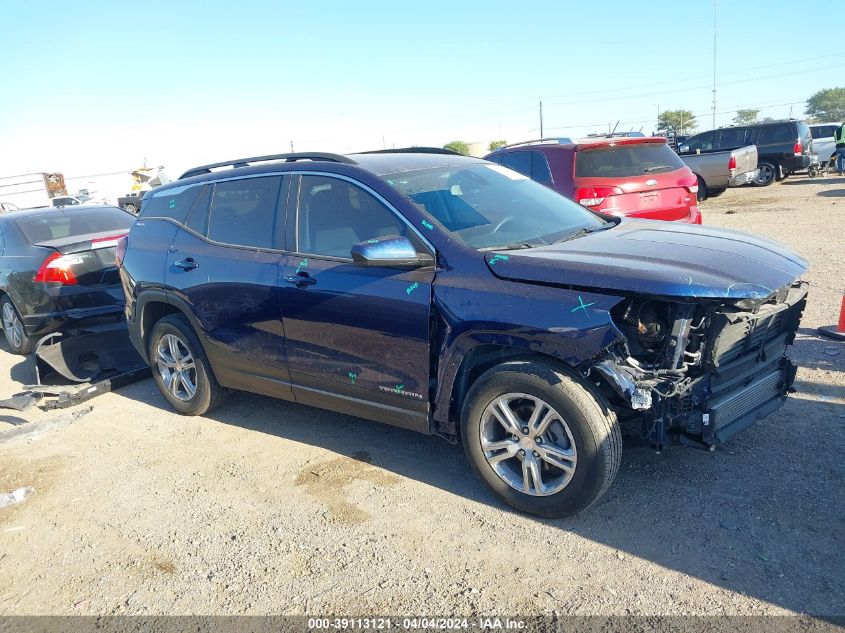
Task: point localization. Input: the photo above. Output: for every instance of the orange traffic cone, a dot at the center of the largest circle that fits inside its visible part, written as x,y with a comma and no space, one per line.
836,331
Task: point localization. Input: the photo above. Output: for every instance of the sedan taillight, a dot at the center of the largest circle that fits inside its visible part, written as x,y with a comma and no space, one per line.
57,269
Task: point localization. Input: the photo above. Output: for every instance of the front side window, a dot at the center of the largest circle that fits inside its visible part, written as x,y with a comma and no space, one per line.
243,212
334,215
822,131
486,206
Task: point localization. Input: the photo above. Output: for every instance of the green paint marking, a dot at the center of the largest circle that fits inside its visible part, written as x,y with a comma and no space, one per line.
412,287
499,258
372,241
172,204
302,265
583,306
353,376
400,388
427,224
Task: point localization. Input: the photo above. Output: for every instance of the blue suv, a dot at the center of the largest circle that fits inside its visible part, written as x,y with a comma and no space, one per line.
453,296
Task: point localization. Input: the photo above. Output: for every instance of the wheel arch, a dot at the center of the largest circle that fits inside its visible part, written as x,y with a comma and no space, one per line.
474,363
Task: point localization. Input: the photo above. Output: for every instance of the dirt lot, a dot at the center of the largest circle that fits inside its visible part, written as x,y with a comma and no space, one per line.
269,507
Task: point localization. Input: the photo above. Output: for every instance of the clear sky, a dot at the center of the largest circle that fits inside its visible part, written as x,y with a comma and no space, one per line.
89,87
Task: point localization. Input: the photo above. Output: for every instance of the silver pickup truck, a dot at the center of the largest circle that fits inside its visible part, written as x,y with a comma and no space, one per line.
718,170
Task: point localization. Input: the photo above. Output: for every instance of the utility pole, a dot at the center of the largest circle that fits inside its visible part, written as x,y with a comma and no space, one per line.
541,119
715,3
291,146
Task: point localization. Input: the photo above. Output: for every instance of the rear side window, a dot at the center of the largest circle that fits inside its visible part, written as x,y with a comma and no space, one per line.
772,134
733,137
243,212
822,131
626,160
518,161
172,203
56,225
540,168
701,142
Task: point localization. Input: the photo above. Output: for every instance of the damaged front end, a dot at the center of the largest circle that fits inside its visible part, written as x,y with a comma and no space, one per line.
701,370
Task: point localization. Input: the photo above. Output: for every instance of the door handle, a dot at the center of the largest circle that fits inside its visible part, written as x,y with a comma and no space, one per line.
186,264
300,280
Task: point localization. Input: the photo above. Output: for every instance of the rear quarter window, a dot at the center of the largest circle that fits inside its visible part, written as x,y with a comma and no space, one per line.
518,161
626,160
173,203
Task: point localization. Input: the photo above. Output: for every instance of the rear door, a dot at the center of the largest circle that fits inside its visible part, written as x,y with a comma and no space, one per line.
641,180
223,264
357,338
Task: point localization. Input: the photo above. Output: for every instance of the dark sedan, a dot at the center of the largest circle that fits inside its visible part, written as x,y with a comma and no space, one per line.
57,267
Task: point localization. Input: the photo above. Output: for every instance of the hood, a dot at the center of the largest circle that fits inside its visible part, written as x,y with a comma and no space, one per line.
658,258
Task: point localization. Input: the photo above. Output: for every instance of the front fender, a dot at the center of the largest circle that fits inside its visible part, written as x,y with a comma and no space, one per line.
567,326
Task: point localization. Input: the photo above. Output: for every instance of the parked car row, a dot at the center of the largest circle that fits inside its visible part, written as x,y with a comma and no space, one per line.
637,177
444,294
783,147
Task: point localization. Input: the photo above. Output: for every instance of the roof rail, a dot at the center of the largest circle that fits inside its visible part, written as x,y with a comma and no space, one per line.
288,158
560,140
413,150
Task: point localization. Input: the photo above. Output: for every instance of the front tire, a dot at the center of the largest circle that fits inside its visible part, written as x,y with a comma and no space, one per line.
16,337
544,442
181,369
767,175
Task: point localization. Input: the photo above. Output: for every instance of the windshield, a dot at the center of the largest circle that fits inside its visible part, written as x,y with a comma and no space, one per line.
487,205
626,160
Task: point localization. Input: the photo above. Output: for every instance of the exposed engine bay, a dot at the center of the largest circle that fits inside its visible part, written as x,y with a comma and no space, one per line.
701,370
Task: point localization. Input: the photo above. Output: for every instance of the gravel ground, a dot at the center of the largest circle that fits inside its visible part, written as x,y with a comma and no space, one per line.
267,507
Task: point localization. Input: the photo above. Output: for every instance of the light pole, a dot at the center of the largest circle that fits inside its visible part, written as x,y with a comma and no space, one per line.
715,2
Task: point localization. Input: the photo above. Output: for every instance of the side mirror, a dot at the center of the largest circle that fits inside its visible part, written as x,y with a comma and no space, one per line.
391,251
683,149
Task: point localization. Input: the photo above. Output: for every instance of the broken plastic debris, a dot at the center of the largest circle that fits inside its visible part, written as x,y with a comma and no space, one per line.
16,496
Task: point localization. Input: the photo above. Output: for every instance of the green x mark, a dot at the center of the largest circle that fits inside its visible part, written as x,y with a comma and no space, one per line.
582,306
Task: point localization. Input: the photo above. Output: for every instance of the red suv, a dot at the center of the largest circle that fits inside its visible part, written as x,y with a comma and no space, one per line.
638,177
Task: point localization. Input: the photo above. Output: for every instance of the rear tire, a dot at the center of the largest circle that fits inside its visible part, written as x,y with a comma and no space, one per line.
181,369
581,433
715,193
13,328
702,193
767,175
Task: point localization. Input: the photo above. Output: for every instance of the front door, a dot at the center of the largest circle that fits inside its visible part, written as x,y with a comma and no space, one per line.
357,338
